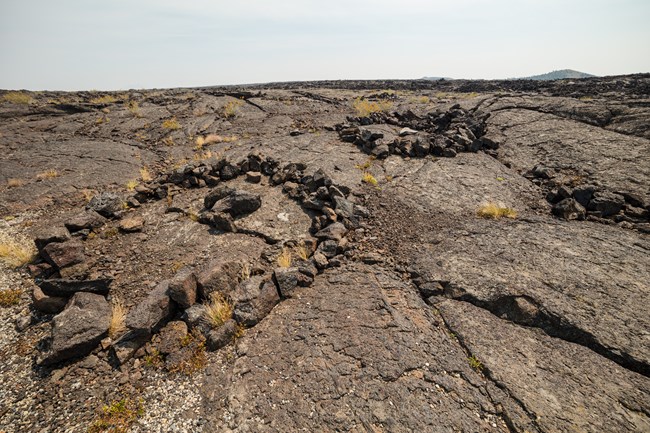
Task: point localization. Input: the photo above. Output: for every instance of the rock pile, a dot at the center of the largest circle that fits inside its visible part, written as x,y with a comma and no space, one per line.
439,133
182,305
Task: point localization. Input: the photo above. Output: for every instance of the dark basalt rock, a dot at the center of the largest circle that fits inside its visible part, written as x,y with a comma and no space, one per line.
79,328
66,287
107,204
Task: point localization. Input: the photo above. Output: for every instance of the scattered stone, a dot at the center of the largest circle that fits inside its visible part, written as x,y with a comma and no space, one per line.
221,336
23,322
182,288
407,131
66,288
47,304
51,235
583,194
131,225
229,171
319,260
343,208
217,194
335,231
254,299
195,317
605,203
288,279
219,276
569,209
328,248
40,270
321,178
107,204
223,222
79,328
253,176
170,337
238,203
64,254
150,314
85,221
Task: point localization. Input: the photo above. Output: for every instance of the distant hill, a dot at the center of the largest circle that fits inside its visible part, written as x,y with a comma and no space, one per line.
559,75
436,78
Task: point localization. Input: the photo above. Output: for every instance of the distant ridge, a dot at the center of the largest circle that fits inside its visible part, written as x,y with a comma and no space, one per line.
436,78
562,74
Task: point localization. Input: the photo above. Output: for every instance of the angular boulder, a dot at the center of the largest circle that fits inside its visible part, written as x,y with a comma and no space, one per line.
604,203
85,221
219,276
65,287
61,255
79,328
182,288
288,279
238,203
50,235
569,209
221,336
47,304
150,314
107,204
216,194
254,299
335,232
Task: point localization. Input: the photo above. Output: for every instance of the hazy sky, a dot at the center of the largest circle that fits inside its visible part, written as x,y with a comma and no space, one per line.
122,44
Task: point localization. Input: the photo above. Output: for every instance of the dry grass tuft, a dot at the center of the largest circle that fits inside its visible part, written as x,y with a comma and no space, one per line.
134,108
494,211
171,124
118,416
16,254
9,297
475,363
213,138
284,259
193,343
231,109
14,183
218,310
50,174
106,99
369,179
118,319
245,272
145,175
17,98
303,252
364,107
130,185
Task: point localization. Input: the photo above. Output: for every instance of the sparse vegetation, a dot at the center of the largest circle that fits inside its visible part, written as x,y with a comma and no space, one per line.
363,107
49,174
218,310
130,185
168,141
366,165
118,319
369,179
475,363
197,359
134,108
245,272
231,109
494,211
213,138
303,252
106,99
14,183
171,124
145,175
17,98
423,99
9,297
284,259
153,359
16,254
202,156
118,416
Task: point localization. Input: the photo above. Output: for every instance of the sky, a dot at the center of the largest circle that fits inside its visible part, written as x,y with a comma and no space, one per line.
132,44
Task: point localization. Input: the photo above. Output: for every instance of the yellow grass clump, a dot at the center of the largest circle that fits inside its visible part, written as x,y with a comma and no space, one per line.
284,259
17,98
218,310
369,179
49,174
171,124
9,297
106,99
363,107
14,183
118,319
231,109
145,175
15,253
494,211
